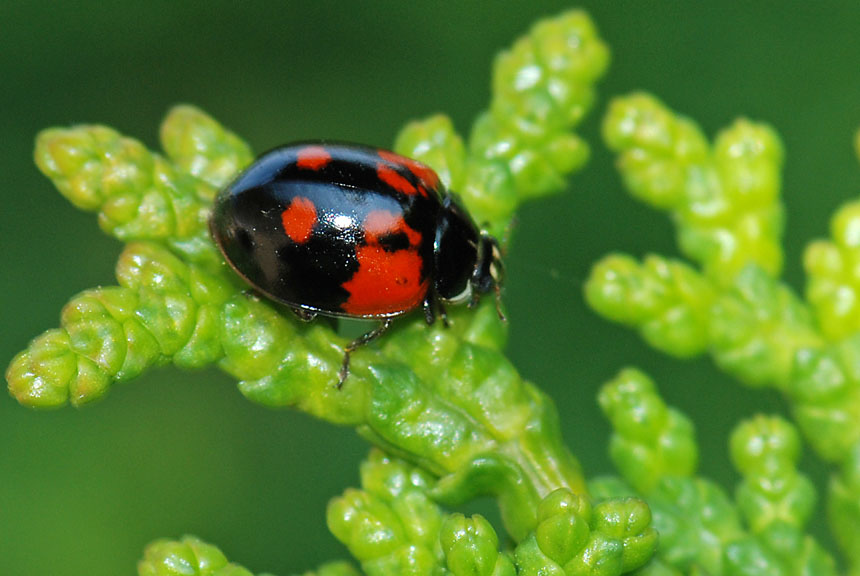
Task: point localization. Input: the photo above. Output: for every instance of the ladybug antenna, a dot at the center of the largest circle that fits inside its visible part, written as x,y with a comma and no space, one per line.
498,290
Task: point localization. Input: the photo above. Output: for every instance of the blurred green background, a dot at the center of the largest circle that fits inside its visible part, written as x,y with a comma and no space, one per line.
82,491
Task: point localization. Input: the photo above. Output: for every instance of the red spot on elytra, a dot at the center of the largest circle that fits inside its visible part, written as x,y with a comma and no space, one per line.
299,219
313,158
382,222
421,171
386,282
392,157
395,180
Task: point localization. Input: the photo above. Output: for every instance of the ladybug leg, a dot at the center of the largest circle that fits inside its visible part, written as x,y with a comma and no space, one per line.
429,309
309,315
302,314
358,343
432,307
443,314
501,314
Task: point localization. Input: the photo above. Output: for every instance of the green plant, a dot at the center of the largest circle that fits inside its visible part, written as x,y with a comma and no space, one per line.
449,414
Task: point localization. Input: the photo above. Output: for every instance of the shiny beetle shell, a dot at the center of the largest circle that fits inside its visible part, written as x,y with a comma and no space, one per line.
347,230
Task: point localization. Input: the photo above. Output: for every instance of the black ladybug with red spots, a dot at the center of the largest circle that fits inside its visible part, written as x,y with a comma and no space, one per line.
352,231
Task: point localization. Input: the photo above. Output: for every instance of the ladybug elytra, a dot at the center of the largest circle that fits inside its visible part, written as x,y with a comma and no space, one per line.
352,231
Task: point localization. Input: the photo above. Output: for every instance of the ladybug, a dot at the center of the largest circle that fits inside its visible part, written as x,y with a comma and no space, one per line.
351,231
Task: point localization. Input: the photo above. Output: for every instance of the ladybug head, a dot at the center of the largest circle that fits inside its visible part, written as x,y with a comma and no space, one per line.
467,262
